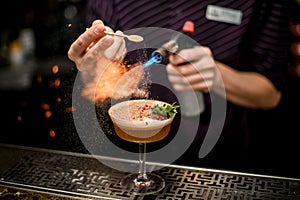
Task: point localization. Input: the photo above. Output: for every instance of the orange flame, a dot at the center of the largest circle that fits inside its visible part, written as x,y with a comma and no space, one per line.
113,80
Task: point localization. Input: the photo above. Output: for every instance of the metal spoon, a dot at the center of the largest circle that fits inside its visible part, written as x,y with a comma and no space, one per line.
133,38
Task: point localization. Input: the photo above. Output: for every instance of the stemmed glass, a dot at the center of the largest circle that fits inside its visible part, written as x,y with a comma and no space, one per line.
133,122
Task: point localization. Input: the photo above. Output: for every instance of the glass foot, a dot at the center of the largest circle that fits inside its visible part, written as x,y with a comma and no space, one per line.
151,185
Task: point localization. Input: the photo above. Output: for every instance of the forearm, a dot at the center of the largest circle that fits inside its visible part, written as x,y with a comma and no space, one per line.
248,89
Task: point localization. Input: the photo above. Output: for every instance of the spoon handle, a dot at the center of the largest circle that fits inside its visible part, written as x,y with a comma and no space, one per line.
133,38
115,34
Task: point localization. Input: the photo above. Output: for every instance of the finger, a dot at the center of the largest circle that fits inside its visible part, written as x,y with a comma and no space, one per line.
181,57
182,69
191,68
187,69
190,55
120,54
97,21
180,80
117,50
201,81
175,77
197,81
91,57
84,41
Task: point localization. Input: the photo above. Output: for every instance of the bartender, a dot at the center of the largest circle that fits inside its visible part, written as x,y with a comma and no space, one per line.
241,59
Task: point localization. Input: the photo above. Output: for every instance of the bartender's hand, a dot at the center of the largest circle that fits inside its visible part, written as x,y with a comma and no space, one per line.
198,68
192,68
98,57
94,45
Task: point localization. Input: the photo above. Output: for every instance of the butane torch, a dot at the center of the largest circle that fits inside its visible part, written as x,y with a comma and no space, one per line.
191,102
172,46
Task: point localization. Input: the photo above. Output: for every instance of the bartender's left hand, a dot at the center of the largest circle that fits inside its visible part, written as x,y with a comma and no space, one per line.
193,68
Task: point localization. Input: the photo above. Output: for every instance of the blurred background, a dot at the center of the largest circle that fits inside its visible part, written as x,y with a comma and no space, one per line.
36,77
36,82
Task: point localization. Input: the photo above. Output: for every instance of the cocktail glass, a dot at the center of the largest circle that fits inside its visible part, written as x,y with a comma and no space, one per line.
131,124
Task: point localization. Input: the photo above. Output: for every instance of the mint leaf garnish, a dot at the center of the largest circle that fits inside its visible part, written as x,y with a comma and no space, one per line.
165,110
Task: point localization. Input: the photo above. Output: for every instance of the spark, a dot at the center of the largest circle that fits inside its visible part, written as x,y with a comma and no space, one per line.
52,133
48,114
55,69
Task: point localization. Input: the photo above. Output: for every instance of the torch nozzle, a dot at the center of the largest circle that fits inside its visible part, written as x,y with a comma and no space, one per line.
162,53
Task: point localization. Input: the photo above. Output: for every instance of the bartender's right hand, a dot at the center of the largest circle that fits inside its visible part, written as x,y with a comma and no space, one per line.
94,45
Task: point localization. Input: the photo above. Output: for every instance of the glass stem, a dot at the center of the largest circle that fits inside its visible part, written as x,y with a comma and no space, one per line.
142,176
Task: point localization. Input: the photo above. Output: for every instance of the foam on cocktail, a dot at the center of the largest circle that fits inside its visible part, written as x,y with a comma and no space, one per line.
135,119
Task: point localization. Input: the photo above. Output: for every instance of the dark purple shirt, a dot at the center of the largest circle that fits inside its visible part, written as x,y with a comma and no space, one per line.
263,35
260,43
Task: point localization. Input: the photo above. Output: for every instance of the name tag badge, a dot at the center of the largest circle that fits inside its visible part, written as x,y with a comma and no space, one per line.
221,14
